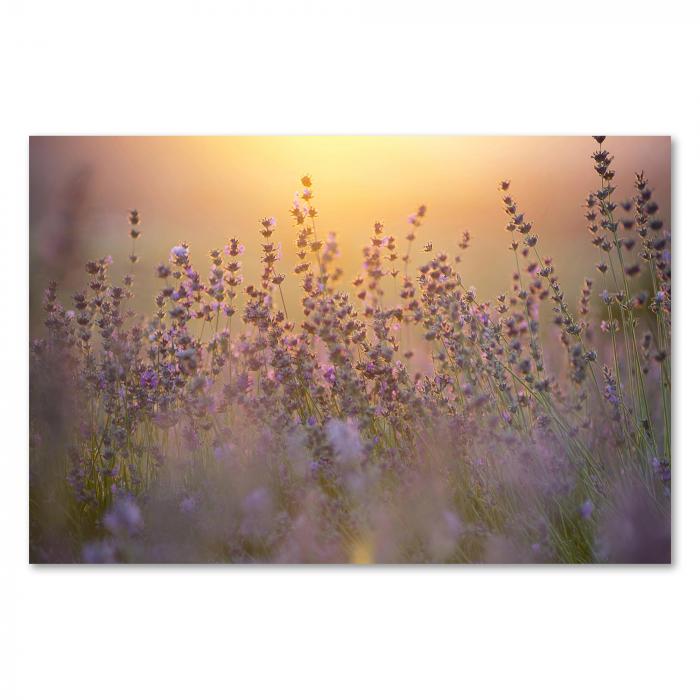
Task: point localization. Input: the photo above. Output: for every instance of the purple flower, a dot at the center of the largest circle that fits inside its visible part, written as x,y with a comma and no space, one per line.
586,509
100,552
187,504
662,468
124,517
329,374
345,439
258,513
149,379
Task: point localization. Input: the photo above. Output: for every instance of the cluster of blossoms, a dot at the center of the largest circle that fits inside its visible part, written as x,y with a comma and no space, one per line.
404,420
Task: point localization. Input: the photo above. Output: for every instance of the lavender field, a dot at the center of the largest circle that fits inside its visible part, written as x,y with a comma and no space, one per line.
391,414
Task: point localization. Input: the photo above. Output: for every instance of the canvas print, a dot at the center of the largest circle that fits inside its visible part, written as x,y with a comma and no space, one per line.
350,350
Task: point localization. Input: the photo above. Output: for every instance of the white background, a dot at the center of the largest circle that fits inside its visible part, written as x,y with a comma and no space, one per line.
507,67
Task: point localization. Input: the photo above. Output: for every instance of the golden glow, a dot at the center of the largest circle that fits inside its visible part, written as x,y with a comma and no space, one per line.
362,552
206,189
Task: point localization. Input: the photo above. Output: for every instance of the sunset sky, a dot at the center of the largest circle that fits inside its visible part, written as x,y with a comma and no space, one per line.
204,190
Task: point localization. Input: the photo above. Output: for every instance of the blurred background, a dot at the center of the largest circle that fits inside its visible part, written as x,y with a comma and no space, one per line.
204,190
